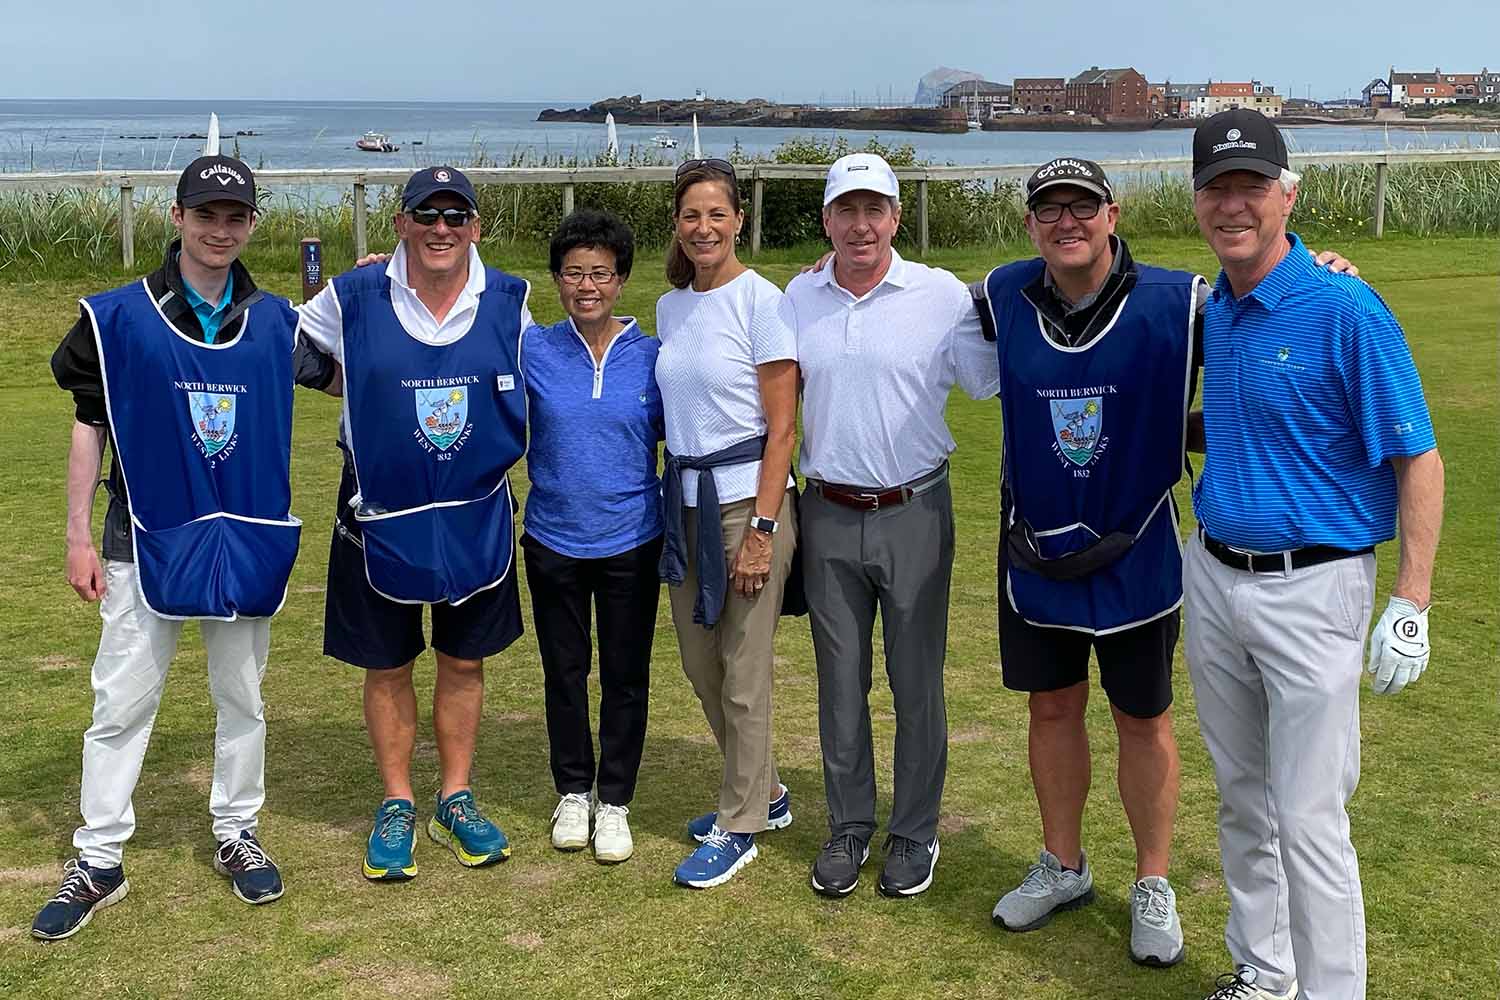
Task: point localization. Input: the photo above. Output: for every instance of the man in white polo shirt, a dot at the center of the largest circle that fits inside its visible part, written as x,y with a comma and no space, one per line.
881,342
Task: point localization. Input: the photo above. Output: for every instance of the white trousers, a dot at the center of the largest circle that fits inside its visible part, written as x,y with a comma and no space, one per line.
130,670
1276,660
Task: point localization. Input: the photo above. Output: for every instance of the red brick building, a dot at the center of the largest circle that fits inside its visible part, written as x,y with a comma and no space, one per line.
1038,95
1109,93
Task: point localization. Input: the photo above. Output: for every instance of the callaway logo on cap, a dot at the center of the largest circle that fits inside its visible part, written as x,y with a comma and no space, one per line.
216,178
1070,171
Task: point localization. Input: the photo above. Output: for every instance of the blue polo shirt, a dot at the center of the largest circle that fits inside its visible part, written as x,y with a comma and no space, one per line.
1308,390
594,430
210,316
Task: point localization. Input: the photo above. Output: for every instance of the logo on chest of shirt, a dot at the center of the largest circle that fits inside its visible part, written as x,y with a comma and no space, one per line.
1078,432
442,406
211,413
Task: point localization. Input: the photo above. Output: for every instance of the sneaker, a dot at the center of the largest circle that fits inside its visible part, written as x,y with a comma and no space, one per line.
253,874
835,873
83,891
612,843
716,860
908,866
570,822
459,826
1240,985
388,855
1047,889
1155,931
779,817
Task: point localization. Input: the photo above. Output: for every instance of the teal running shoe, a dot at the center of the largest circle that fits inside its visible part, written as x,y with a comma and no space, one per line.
388,856
459,826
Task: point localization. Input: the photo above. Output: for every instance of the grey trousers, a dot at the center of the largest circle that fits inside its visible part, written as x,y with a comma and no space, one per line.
1276,660
900,560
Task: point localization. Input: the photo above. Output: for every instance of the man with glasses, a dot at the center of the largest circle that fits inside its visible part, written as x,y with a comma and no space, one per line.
434,416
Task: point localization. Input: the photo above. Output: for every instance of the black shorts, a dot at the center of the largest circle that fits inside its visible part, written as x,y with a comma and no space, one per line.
364,628
1135,665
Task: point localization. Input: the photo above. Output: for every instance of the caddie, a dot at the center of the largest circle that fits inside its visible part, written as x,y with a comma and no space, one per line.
188,374
1319,447
434,416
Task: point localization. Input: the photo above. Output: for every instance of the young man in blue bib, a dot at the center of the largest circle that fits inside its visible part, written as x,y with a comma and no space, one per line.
434,417
188,374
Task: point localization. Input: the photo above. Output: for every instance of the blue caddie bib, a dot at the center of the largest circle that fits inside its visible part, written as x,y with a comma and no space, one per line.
203,437
433,432
1094,443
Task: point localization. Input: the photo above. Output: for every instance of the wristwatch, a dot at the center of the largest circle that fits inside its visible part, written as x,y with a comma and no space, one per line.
765,524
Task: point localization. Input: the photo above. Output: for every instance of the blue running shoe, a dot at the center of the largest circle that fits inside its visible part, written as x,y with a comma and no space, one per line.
83,891
388,855
254,875
459,826
716,860
779,819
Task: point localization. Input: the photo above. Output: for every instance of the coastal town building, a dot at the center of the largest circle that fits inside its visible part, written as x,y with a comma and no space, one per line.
1253,95
1377,94
1178,98
980,99
1118,94
1038,95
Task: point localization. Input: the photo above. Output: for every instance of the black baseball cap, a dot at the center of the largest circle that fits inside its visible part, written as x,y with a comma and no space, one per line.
1240,139
216,178
1072,171
426,183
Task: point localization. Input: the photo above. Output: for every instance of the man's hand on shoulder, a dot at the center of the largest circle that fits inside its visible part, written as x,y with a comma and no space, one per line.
1335,262
372,258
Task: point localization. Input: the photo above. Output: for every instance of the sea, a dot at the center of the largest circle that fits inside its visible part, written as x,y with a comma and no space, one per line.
121,135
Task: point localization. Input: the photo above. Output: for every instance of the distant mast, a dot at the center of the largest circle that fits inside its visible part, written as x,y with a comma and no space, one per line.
211,144
612,140
697,150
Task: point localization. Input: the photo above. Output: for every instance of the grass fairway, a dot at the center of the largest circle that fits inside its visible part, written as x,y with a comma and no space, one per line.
551,925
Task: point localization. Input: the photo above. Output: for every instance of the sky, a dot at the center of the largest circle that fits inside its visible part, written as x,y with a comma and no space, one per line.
781,50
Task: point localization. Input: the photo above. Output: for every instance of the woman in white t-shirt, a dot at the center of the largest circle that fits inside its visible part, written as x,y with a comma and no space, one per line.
727,372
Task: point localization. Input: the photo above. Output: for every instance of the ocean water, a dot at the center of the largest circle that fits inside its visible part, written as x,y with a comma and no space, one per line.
139,135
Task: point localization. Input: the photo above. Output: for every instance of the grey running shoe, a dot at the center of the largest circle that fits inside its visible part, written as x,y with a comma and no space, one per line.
1047,889
835,873
1155,931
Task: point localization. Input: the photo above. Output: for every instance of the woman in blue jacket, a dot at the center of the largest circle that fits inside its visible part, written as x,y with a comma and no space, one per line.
593,527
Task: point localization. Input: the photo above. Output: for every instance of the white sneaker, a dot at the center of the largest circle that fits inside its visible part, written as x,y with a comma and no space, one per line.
1240,985
570,822
612,843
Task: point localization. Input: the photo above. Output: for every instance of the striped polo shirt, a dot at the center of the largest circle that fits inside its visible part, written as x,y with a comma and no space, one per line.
1308,389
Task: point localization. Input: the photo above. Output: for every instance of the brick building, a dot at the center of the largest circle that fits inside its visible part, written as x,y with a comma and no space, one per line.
1109,93
1038,95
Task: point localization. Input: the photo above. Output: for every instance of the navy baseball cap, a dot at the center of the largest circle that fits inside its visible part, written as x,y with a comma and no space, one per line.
215,178
426,183
1240,139
1070,171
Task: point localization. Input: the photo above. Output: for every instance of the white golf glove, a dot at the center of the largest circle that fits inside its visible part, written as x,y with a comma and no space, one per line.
1398,649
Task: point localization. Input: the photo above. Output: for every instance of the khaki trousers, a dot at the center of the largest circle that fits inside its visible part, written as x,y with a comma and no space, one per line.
730,665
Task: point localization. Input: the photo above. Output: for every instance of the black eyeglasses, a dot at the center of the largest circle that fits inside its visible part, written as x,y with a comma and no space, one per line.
711,163
575,275
1051,211
454,217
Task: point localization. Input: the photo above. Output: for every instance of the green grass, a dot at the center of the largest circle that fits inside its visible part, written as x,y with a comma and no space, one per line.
550,925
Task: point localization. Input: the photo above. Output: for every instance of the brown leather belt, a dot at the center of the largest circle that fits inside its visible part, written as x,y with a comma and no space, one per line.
869,498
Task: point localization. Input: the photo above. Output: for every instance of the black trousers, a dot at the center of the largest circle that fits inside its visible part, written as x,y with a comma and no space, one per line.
625,590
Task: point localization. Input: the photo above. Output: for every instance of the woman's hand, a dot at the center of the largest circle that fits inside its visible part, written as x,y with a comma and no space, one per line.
752,564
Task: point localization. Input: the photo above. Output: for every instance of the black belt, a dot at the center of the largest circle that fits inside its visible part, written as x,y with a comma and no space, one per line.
1275,562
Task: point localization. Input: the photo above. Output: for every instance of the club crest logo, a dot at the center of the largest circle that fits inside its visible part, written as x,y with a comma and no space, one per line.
1232,135
1076,423
442,414
442,176
1283,354
212,415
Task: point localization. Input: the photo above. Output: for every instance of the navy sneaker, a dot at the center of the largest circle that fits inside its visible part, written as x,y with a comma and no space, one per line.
908,866
83,891
780,818
254,875
716,860
388,855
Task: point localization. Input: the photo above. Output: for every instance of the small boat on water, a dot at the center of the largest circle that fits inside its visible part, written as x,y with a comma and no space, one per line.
376,142
664,141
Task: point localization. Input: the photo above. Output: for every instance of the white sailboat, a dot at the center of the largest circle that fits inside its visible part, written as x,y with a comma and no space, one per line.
697,149
612,139
211,144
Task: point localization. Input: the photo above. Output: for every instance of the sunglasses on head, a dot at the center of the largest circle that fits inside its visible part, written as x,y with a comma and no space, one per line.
712,163
454,217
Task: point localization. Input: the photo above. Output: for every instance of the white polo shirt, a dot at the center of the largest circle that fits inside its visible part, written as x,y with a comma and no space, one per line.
711,345
877,371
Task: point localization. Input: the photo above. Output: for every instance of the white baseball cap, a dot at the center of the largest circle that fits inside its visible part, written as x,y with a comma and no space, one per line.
860,172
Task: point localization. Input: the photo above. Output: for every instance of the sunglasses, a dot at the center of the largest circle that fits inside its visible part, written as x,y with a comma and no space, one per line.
454,217
712,163
1051,211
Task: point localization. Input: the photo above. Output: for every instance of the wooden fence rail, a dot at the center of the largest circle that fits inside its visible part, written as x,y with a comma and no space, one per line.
757,173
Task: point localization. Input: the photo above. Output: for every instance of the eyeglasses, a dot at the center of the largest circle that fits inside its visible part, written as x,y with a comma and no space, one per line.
712,163
1082,209
454,217
575,275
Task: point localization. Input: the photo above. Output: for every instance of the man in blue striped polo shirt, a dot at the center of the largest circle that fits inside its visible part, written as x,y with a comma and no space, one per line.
1318,437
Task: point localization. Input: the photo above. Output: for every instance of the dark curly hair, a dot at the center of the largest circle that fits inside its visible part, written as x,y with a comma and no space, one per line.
588,227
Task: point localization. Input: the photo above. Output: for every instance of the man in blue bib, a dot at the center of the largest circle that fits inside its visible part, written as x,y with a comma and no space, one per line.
188,374
434,417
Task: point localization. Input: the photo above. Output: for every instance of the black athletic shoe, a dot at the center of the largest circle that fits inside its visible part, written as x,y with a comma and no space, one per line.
908,866
83,891
255,876
835,873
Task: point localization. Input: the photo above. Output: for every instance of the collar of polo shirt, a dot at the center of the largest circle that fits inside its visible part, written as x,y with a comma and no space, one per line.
895,275
1273,288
